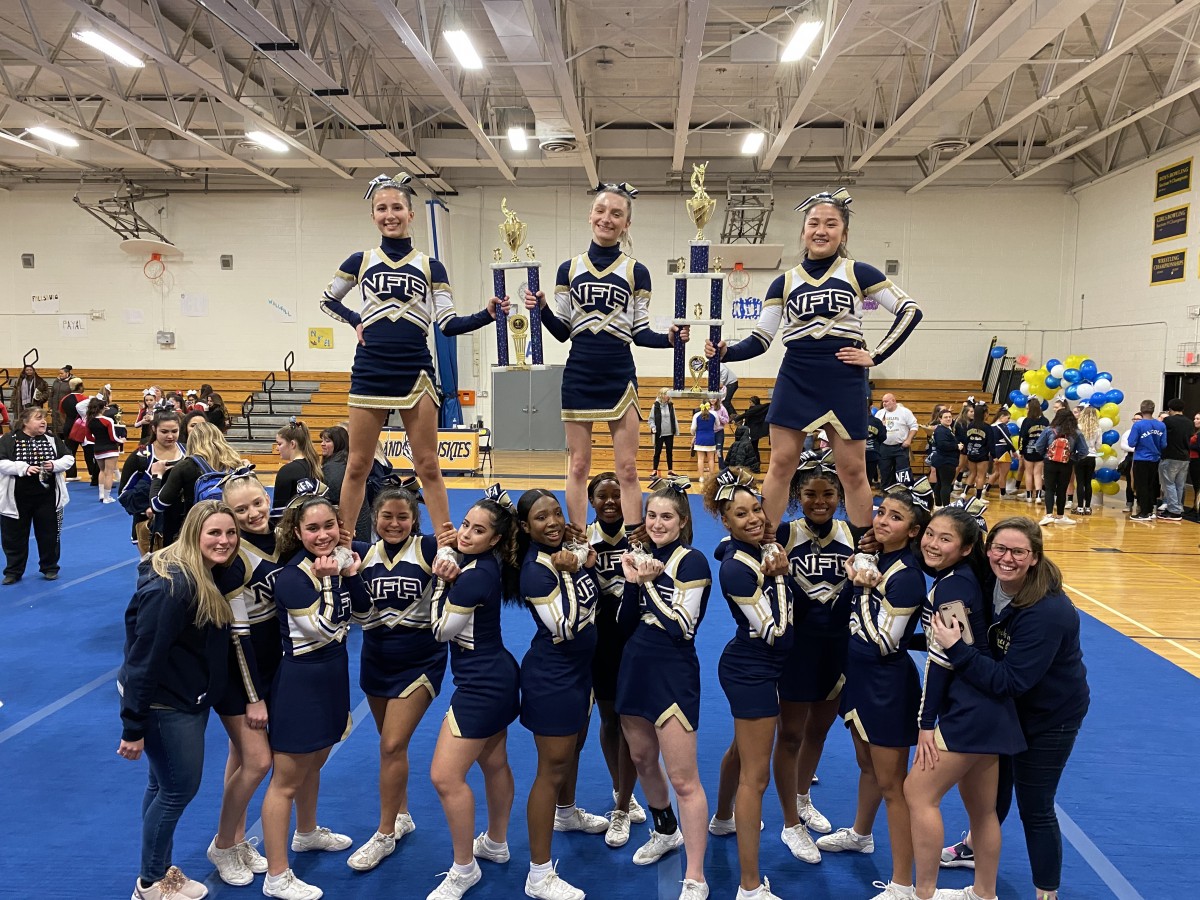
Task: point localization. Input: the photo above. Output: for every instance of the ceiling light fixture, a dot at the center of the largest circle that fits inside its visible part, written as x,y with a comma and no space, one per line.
463,49
518,140
108,48
753,142
267,141
802,38
54,137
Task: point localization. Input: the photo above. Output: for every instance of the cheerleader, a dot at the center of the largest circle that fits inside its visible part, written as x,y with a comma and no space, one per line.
943,458
107,437
249,583
176,644
602,305
817,547
823,375
704,442
403,293
1032,427
164,445
145,417
661,714
963,730
753,661
556,681
402,664
977,448
301,471
606,535
486,688
882,693
1002,451
173,489
309,705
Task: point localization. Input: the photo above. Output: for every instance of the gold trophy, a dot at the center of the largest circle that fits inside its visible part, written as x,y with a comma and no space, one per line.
518,329
512,229
700,206
521,328
699,368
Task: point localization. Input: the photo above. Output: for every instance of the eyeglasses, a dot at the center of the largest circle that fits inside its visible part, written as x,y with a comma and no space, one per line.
1018,554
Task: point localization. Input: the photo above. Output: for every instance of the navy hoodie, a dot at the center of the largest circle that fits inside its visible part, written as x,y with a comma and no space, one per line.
169,661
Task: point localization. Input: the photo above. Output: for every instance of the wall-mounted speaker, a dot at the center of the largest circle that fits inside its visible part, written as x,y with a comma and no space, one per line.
26,260
891,267
226,262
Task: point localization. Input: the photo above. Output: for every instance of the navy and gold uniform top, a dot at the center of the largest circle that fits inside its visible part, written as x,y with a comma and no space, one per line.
249,585
675,602
468,614
824,298
400,583
817,557
761,606
1001,441
563,603
314,612
884,618
609,542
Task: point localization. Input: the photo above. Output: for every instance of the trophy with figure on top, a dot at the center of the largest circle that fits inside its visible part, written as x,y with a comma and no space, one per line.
522,329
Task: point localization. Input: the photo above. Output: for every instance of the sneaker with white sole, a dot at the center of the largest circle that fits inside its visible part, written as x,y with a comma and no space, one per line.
581,820
455,884
373,852
637,815
320,838
958,856
552,887
1065,520
721,827
1047,520
289,887
694,890
404,825
893,891
811,816
481,850
255,861
618,829
657,847
231,866
845,840
800,842
172,886
967,893
764,892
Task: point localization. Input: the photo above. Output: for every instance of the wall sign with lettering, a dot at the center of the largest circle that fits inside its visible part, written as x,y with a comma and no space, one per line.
1168,268
1173,179
1171,223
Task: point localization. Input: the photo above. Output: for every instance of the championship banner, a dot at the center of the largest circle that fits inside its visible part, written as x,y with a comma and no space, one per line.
458,449
1171,223
1173,179
1168,268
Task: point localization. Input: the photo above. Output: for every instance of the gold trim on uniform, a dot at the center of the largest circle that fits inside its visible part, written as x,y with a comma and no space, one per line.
628,399
421,682
423,388
837,688
828,419
852,719
673,712
453,723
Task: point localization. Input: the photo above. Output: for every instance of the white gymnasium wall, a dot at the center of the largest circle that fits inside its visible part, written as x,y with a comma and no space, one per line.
979,262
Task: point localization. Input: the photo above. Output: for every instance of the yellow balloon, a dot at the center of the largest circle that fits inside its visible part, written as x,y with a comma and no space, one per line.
1073,361
1097,487
1015,412
1116,419
1110,411
1110,488
1107,450
1031,378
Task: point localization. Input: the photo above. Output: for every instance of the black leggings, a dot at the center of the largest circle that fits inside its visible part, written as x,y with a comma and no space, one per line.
667,441
944,489
1055,478
1085,470
1145,485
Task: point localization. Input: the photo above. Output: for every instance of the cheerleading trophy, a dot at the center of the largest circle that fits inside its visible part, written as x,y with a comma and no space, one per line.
523,329
700,208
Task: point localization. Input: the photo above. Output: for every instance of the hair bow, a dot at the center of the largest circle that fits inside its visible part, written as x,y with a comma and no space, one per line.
919,490
292,420
412,484
973,507
246,471
728,482
839,198
499,496
381,181
623,188
303,499
677,483
815,459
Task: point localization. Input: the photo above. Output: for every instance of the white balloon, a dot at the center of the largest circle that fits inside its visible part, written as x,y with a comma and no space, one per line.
1102,384
1108,462
1105,423
1085,391
1024,389
1020,421
1058,370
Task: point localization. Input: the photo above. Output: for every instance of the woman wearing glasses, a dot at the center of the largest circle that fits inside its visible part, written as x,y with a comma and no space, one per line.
1036,659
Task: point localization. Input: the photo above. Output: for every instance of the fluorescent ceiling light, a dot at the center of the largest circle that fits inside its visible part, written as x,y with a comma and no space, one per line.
753,143
54,137
517,139
108,48
463,49
267,141
806,32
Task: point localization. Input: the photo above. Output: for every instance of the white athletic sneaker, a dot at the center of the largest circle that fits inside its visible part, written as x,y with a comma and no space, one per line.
618,829
320,838
552,887
289,887
1065,520
454,885
404,825
694,890
722,827
811,816
373,852
893,891
637,815
657,847
764,892
844,839
481,850
1047,520
581,820
255,861
172,886
230,864
800,842
967,893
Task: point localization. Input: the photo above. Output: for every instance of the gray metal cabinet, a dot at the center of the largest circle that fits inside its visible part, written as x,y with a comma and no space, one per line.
527,409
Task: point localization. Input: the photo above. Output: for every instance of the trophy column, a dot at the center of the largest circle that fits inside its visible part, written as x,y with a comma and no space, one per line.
498,290
523,329
703,388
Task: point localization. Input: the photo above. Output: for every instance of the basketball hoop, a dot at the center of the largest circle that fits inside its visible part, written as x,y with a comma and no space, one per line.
739,278
154,267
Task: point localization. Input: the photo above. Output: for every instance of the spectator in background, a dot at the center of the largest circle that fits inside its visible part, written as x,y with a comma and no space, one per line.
755,418
876,434
335,448
144,421
1147,437
3,417
32,493
1194,461
1173,467
900,425
729,381
664,426
59,388
71,435
31,389
216,413
722,416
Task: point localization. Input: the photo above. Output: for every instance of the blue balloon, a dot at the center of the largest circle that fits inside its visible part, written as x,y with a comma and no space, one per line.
1099,375
1114,396
1111,437
1052,382
1014,396
1072,392
998,352
1073,376
1107,476
1014,429
1015,464
1051,363
1088,368
1021,400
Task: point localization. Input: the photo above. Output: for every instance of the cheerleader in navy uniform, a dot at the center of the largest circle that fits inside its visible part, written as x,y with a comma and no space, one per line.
164,445
606,535
753,660
561,592
301,470
249,583
977,446
658,688
402,663
1002,451
823,376
882,693
602,305
403,293
817,547
1033,461
963,730
310,697
486,696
